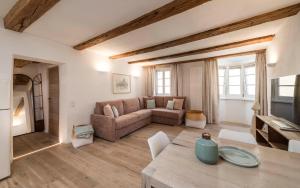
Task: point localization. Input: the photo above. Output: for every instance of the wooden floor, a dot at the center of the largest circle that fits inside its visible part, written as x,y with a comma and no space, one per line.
102,164
28,143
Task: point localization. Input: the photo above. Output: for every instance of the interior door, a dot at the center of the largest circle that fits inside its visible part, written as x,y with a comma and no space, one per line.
54,101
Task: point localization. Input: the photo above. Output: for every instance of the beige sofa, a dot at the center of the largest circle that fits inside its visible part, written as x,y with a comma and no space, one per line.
133,115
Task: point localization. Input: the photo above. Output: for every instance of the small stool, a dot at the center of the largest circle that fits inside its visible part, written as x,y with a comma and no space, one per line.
78,142
196,119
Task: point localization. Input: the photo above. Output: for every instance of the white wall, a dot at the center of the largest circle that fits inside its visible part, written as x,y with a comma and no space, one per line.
283,55
236,111
284,50
81,85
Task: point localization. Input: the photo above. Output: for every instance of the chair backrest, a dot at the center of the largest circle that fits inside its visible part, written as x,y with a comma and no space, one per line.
237,136
157,143
294,146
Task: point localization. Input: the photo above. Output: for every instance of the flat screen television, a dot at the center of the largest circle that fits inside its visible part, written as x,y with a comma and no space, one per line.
285,98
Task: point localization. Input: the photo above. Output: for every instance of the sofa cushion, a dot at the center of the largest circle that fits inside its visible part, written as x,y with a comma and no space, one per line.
178,104
172,114
145,101
126,120
159,101
143,114
151,104
108,111
131,105
167,98
117,103
115,111
141,100
170,105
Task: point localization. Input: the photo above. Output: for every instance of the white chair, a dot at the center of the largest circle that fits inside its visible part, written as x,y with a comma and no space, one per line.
237,136
294,146
157,143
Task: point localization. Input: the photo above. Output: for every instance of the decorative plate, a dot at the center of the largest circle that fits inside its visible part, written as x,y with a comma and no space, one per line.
238,156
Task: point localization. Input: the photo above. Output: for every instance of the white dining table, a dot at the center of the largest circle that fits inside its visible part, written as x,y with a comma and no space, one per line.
178,167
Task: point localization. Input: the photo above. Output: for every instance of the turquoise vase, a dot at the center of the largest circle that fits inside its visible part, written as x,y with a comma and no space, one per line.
206,150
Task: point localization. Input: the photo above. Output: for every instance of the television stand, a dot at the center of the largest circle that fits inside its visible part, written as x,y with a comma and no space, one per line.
272,135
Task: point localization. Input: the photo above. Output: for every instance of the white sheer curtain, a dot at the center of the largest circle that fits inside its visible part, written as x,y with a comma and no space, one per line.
149,73
176,80
261,97
210,96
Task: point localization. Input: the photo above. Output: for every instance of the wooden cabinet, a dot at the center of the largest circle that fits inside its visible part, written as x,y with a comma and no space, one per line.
272,136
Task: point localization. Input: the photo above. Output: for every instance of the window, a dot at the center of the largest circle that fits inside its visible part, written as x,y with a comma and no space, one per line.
234,83
237,82
287,86
250,81
222,81
163,82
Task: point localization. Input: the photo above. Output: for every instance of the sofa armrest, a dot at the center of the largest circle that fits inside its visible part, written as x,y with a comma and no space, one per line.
104,126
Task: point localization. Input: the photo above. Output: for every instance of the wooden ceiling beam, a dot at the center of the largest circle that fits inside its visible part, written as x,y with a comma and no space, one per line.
168,10
20,63
25,12
246,23
213,57
210,49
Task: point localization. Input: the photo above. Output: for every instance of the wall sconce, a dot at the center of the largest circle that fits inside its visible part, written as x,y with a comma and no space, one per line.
136,72
272,56
103,67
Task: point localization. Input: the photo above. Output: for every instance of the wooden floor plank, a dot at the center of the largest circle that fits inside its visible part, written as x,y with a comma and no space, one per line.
101,164
31,142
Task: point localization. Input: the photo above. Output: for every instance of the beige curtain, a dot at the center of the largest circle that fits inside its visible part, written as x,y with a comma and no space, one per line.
176,80
210,97
149,73
261,83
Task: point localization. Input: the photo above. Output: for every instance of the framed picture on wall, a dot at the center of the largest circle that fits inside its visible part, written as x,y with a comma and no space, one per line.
121,83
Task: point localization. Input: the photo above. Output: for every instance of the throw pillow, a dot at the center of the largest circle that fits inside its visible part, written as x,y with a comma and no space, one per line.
150,104
115,111
108,111
178,104
170,105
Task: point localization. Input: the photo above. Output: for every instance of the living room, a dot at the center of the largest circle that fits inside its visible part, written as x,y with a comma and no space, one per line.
210,64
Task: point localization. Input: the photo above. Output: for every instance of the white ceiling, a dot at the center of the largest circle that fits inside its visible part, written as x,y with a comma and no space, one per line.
5,6
237,60
74,21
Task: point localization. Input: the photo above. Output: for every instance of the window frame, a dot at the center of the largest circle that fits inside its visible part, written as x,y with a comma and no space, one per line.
228,82
246,94
243,83
224,81
163,70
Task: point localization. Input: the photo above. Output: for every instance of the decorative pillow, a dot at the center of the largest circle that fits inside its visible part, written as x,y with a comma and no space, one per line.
170,105
108,111
150,104
178,104
115,111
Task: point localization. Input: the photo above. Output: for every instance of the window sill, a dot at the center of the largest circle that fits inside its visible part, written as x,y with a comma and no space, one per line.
237,99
